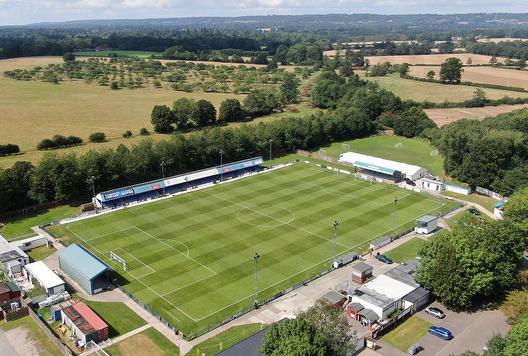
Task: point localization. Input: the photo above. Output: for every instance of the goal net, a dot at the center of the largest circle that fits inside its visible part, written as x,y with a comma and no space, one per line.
345,147
119,260
398,145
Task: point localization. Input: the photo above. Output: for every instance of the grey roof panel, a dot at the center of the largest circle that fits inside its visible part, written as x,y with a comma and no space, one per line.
84,261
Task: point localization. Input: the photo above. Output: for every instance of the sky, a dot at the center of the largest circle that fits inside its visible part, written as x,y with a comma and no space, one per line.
17,12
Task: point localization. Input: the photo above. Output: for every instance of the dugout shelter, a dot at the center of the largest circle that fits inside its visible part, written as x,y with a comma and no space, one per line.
182,182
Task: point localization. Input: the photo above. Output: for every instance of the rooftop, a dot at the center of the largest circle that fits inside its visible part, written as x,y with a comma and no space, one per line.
9,252
389,287
362,267
84,261
46,277
416,295
84,318
403,274
427,219
379,164
373,297
333,297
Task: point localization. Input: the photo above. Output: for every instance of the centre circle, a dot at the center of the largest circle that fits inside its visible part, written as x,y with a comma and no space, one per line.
265,215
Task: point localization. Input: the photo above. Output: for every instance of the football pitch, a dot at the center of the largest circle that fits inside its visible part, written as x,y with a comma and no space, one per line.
190,257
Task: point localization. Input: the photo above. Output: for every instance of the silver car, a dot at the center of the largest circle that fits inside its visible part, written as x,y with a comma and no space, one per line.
437,313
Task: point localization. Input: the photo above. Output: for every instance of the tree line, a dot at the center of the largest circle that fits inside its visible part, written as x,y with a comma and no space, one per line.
511,49
188,113
65,177
491,153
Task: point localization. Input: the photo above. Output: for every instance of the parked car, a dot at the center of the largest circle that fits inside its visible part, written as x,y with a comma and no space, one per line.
414,349
384,259
410,182
437,313
440,332
474,211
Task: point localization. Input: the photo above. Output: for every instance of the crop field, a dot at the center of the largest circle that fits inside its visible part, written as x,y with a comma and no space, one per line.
445,116
190,258
432,58
488,75
436,92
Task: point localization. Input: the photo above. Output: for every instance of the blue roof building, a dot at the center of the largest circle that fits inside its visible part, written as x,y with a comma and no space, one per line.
87,270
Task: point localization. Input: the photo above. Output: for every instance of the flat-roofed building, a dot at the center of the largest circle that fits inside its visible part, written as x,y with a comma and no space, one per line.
45,277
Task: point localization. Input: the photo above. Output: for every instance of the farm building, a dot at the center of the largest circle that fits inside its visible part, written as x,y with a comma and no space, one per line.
45,277
88,271
361,272
426,224
383,168
84,323
393,290
12,257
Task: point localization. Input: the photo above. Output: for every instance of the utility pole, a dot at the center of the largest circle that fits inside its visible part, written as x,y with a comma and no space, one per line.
256,259
162,164
92,181
394,216
336,225
270,141
221,163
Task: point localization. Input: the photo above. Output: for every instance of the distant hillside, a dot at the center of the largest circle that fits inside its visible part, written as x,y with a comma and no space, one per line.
344,22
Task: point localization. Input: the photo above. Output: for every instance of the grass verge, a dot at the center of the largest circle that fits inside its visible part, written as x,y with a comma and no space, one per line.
407,333
225,339
148,342
406,251
120,318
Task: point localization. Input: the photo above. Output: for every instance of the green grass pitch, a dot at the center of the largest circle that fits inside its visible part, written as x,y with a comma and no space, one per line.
190,258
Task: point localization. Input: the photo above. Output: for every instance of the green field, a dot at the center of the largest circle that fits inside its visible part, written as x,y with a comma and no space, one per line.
140,54
407,333
225,339
409,150
435,92
406,251
190,258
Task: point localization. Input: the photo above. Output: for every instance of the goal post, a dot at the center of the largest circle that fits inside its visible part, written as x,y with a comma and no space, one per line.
345,147
118,259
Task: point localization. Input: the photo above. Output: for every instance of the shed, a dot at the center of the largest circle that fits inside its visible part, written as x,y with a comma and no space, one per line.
345,259
361,272
385,240
426,224
85,269
30,243
9,292
84,323
45,277
334,298
353,308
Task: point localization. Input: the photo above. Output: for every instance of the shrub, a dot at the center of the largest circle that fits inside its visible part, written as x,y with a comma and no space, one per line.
127,134
97,137
114,86
9,149
59,141
144,132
